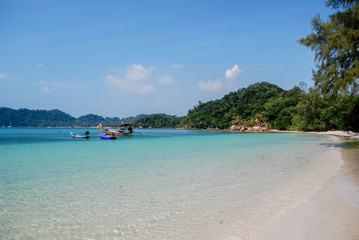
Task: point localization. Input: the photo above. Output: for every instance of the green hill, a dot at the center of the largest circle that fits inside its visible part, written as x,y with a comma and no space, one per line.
270,104
36,118
246,104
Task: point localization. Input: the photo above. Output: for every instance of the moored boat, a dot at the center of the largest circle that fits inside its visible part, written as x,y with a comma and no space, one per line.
76,135
107,137
123,130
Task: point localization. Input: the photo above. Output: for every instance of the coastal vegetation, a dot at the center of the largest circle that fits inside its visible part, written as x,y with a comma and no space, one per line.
53,118
333,102
263,101
157,121
296,109
35,118
336,46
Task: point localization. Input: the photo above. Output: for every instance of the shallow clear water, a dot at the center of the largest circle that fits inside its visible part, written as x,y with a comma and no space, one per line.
164,184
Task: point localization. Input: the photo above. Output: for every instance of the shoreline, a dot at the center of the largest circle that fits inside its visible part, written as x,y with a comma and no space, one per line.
331,213
338,133
349,134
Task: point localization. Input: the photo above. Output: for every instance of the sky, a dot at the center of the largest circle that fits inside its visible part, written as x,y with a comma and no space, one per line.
124,58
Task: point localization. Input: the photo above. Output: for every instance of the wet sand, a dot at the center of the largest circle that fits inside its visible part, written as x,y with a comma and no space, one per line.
332,213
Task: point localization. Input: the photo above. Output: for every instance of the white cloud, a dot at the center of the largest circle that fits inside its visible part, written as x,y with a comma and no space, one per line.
228,84
3,75
138,72
132,81
176,66
45,89
55,84
232,73
39,65
210,85
166,79
128,85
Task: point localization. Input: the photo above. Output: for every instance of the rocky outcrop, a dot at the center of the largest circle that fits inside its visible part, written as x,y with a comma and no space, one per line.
254,126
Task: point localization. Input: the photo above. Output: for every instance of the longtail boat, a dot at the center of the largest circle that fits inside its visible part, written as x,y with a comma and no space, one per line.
122,130
76,135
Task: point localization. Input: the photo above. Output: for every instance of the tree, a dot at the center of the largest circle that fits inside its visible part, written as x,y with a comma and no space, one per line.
279,111
336,46
318,112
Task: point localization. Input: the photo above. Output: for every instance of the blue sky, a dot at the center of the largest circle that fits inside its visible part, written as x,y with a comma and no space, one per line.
123,58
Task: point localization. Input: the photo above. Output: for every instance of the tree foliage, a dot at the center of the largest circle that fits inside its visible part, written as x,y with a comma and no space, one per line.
318,112
336,46
280,109
160,120
89,120
264,100
52,118
38,118
278,113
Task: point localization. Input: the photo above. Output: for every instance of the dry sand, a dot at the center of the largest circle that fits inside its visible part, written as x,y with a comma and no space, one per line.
332,213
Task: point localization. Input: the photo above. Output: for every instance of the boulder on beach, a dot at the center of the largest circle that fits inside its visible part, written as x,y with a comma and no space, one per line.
254,126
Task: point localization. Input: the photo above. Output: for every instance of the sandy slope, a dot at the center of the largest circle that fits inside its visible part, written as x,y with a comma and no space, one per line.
332,213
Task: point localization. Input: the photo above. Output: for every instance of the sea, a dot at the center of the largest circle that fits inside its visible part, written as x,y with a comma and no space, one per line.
157,184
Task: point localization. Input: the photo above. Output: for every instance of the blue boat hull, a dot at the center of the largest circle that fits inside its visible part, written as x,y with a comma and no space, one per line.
107,137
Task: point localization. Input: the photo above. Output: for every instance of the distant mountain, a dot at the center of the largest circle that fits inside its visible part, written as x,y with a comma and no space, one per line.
56,118
140,116
36,118
93,120
52,118
159,120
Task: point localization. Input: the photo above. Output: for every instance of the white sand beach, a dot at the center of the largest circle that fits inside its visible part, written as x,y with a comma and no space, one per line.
341,134
332,213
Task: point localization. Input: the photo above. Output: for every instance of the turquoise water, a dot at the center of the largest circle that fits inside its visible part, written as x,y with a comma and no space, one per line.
164,184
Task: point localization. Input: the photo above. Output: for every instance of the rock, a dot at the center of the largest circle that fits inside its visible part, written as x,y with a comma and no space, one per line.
254,126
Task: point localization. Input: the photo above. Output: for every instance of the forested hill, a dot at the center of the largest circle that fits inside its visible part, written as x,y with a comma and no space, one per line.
297,109
277,108
264,101
36,118
53,118
56,118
